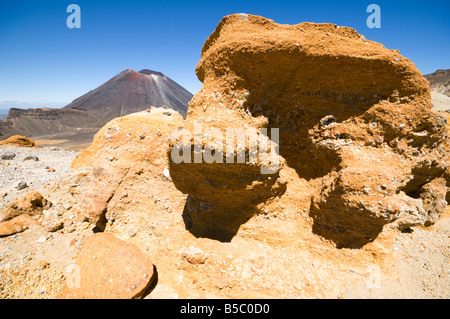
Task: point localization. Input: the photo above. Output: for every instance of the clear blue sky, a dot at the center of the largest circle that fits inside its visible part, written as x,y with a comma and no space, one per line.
42,62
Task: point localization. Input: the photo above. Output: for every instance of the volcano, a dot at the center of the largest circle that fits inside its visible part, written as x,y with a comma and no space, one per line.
130,92
127,92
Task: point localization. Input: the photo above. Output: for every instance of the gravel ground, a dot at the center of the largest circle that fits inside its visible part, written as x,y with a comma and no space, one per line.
52,165
33,263
422,263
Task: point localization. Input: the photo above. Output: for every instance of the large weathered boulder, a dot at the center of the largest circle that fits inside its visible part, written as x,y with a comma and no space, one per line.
127,146
354,121
108,268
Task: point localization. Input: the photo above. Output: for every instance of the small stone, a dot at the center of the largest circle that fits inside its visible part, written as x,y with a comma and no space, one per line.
42,265
20,185
194,255
54,226
41,239
422,133
44,238
327,120
31,158
441,121
8,156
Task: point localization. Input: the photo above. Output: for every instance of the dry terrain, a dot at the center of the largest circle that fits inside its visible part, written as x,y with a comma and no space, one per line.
356,207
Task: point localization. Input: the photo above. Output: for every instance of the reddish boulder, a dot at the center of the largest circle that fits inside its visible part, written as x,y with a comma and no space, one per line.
108,268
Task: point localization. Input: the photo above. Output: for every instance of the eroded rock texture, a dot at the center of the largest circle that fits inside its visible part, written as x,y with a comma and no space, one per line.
354,120
18,140
31,204
108,268
128,148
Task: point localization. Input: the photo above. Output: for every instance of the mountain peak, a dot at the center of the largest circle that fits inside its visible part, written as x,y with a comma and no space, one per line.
131,91
127,92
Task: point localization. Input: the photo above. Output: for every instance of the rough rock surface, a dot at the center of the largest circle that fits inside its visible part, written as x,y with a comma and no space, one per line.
274,254
18,140
282,248
126,147
17,224
352,116
108,268
31,204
